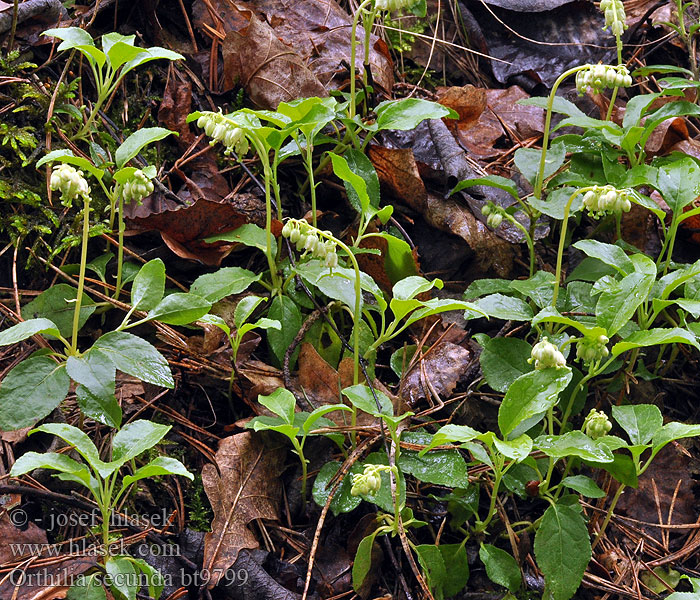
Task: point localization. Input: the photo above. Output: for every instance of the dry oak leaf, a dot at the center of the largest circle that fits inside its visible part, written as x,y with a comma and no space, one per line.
244,487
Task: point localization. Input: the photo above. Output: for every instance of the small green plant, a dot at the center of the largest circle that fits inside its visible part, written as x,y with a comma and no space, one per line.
102,480
110,65
296,426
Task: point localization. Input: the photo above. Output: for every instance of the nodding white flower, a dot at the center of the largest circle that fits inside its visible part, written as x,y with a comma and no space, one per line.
70,182
602,200
137,187
224,131
598,77
392,5
369,481
546,355
309,241
596,424
615,17
590,350
494,215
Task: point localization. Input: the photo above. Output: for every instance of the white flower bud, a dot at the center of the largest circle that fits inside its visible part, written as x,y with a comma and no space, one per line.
546,355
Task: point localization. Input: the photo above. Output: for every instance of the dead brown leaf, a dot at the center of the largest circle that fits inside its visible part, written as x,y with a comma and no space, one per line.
245,487
467,101
441,369
398,174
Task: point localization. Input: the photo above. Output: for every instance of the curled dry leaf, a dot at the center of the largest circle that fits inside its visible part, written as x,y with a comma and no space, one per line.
439,372
467,101
243,486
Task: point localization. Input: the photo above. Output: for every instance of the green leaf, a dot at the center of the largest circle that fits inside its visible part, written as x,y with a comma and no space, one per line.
155,580
505,307
433,567
358,163
217,321
343,501
136,142
67,156
671,432
563,550
180,309
245,308
517,449
451,433
679,183
80,441
410,287
503,360
135,438
50,460
135,356
359,197
58,305
455,557
399,262
281,402
655,337
608,253
574,443
319,412
622,469
249,235
149,54
640,421
361,397
30,391
224,282
554,205
496,181
27,329
501,567
583,485
71,36
440,467
121,576
87,588
484,287
286,311
530,395
527,160
102,409
363,561
95,371
539,288
617,306
407,113
162,465
149,285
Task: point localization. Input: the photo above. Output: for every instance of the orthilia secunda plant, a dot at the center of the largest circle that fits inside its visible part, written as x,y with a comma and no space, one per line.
598,201
322,245
592,350
369,481
71,183
494,217
593,77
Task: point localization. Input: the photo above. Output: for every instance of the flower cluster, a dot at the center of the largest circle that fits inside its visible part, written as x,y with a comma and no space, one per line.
369,481
137,187
308,240
590,350
493,214
221,129
546,355
602,200
70,182
598,77
614,16
392,5
596,424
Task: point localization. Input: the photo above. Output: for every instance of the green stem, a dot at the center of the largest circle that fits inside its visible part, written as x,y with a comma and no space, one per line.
353,56
81,275
537,193
562,238
312,185
528,240
120,246
609,515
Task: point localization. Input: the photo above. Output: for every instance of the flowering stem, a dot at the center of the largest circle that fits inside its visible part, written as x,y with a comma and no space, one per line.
528,239
562,237
120,245
81,275
353,56
547,123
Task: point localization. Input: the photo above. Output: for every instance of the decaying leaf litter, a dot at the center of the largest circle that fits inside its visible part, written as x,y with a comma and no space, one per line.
243,528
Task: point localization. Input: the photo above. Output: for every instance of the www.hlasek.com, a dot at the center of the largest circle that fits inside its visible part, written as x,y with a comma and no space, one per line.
182,578
85,547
